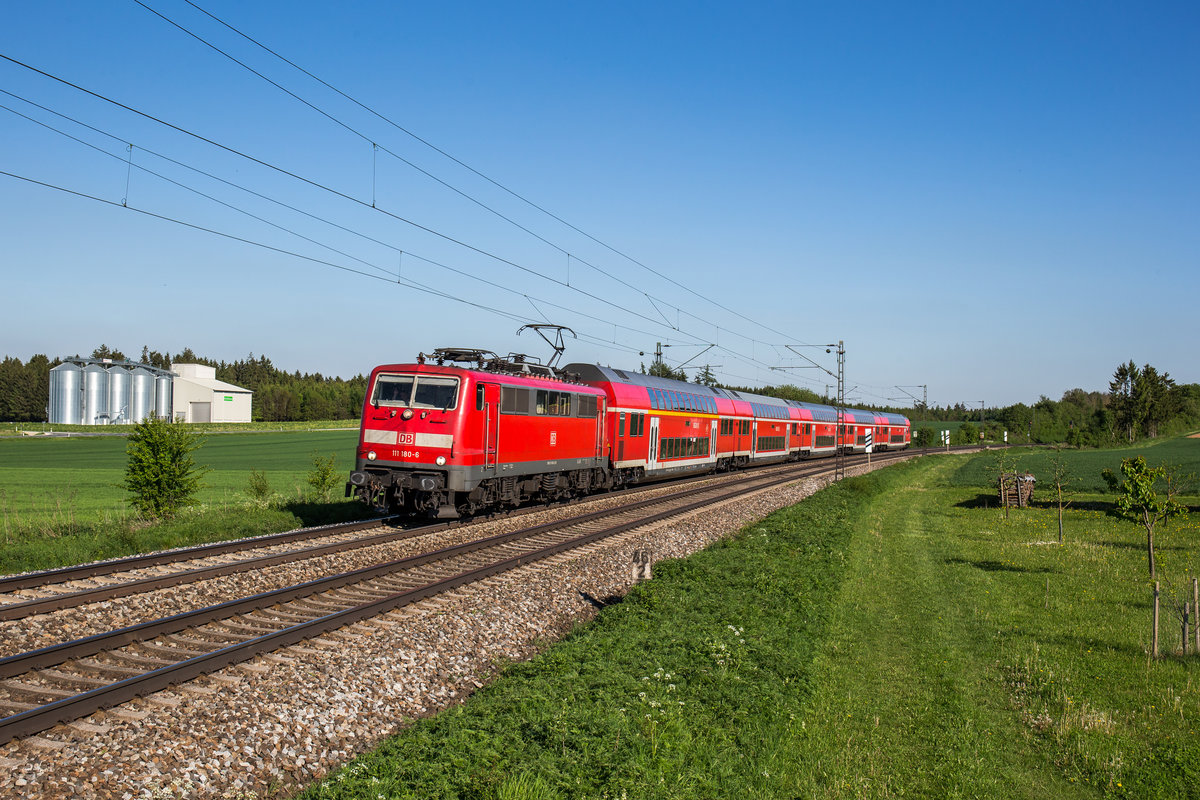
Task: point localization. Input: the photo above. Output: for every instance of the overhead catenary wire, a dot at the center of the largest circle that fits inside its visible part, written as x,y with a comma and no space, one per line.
519,318
362,203
323,187
433,262
465,166
376,147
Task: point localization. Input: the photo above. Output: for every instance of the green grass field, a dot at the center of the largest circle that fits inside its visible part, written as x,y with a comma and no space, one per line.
889,637
65,483
1085,465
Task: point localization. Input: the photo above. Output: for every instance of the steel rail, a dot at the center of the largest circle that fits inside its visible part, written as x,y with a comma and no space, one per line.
57,602
38,719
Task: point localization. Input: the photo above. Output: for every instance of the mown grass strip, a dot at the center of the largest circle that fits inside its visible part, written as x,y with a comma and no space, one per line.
694,686
892,636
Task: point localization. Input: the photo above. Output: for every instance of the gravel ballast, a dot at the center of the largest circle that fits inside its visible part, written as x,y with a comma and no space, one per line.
281,721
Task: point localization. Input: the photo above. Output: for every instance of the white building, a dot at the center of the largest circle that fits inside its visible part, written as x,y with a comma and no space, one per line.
199,397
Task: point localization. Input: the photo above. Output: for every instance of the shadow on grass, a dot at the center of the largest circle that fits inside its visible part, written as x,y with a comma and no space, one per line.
992,501
313,513
980,501
1076,505
600,603
998,566
1130,649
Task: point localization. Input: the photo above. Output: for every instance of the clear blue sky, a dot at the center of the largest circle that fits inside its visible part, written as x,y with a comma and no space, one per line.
1025,175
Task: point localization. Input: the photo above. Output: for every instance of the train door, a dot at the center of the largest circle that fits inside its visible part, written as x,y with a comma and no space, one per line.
652,456
600,418
491,427
753,438
712,441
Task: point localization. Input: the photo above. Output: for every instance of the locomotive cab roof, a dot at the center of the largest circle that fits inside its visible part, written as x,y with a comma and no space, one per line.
489,361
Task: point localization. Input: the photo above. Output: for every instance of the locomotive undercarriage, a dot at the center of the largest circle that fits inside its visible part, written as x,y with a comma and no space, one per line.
426,494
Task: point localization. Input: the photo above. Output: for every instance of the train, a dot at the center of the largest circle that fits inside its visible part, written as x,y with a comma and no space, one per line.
463,431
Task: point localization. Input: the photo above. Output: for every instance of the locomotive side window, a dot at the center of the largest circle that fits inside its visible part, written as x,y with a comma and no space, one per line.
553,404
479,397
514,400
587,407
621,425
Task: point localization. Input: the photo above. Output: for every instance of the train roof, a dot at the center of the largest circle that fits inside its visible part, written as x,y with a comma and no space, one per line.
821,413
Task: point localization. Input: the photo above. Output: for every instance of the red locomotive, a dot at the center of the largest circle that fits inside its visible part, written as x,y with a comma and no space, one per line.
443,440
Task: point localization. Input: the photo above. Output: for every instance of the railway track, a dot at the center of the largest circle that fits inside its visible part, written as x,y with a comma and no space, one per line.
64,682
43,592
53,590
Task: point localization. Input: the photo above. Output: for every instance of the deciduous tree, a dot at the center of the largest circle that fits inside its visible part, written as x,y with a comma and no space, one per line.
1148,496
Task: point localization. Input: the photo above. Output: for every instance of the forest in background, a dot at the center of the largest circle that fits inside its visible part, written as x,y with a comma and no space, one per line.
279,396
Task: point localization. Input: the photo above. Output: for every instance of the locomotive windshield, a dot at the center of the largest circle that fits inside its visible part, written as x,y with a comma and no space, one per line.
416,391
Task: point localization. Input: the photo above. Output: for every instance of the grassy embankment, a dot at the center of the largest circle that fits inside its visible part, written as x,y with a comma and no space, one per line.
891,636
61,500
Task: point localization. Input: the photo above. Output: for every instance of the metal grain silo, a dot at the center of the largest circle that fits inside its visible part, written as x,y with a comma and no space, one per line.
163,397
141,397
66,382
118,394
95,395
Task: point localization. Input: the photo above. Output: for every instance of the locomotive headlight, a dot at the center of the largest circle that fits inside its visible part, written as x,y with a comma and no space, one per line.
371,455
406,414
441,461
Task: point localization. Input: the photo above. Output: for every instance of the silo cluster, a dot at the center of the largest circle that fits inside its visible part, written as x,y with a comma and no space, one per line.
89,392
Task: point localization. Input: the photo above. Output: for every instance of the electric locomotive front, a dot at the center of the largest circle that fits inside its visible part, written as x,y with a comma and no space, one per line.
411,424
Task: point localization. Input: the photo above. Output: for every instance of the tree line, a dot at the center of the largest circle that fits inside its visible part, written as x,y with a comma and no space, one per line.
279,396
1141,403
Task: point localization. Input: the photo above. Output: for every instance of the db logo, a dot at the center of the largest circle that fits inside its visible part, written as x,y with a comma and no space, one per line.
553,438
407,438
